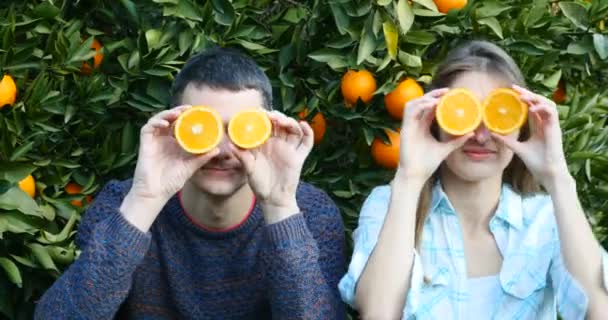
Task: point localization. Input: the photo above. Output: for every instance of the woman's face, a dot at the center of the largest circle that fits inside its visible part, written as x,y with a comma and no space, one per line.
481,157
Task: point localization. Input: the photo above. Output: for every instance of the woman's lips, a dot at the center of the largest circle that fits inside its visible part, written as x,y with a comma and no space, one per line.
479,154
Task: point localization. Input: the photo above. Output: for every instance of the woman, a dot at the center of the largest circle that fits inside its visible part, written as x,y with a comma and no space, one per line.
463,231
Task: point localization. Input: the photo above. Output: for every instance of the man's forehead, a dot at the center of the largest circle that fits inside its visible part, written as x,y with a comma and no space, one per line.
226,102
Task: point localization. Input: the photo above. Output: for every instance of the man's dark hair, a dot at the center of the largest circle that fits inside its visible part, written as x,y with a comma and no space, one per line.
222,68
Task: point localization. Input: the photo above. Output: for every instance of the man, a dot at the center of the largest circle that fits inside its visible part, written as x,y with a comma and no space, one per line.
231,234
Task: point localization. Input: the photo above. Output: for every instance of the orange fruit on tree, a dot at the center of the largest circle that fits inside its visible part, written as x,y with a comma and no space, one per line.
387,155
199,129
405,91
74,188
446,5
317,123
97,59
8,91
28,185
357,85
504,112
249,128
458,112
559,95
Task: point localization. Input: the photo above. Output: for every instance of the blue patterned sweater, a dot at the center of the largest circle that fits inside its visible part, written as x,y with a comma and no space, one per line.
178,270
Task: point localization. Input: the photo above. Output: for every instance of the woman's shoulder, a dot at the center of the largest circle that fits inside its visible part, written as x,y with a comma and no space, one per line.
537,210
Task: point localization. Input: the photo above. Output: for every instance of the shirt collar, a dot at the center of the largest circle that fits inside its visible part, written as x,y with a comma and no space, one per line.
509,205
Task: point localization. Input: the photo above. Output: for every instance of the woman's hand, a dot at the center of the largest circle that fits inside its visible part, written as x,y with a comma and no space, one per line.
543,153
421,153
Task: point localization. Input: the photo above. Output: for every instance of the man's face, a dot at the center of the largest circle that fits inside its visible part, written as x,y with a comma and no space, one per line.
224,174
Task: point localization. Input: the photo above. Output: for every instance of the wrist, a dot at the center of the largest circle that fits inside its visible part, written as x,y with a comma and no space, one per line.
141,211
560,181
276,211
402,177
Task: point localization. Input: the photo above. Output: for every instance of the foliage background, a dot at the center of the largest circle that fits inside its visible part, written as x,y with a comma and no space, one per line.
70,127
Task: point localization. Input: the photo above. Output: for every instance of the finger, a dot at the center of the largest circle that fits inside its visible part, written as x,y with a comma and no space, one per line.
308,138
278,120
171,114
293,130
522,90
509,141
200,160
246,158
153,125
437,92
417,111
430,115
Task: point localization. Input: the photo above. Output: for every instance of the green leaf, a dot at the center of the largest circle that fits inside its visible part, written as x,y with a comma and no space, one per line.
16,199
21,151
17,222
420,37
15,172
223,12
553,79
185,9
409,60
493,24
46,10
405,15
131,9
384,2
152,37
600,42
49,238
255,47
42,256
295,14
83,52
575,12
429,4
342,20
367,44
286,55
340,43
491,9
428,13
12,271
391,37
47,212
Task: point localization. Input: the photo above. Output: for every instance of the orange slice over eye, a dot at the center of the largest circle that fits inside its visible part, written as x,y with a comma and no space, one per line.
504,111
459,112
249,128
199,129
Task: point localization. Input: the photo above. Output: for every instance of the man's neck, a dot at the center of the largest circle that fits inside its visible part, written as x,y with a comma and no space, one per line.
217,213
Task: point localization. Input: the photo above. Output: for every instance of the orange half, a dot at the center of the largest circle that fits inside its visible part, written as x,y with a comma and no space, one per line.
459,112
504,112
199,129
249,128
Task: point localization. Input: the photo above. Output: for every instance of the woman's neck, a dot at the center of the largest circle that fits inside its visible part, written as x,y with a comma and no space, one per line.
474,202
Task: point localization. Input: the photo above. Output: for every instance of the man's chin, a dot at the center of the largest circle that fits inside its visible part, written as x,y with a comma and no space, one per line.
216,186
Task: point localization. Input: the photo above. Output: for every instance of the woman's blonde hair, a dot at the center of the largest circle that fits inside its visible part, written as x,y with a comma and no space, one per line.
478,56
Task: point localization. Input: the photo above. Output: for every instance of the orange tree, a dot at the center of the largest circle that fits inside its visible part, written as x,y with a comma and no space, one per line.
88,73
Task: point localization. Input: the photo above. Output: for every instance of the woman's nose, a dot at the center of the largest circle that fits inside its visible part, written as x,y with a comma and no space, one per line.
482,134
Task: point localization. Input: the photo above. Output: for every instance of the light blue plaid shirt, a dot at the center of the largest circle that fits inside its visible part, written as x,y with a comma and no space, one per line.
533,278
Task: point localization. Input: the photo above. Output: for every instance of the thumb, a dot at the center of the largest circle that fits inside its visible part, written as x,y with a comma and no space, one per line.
510,142
459,142
200,160
246,158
